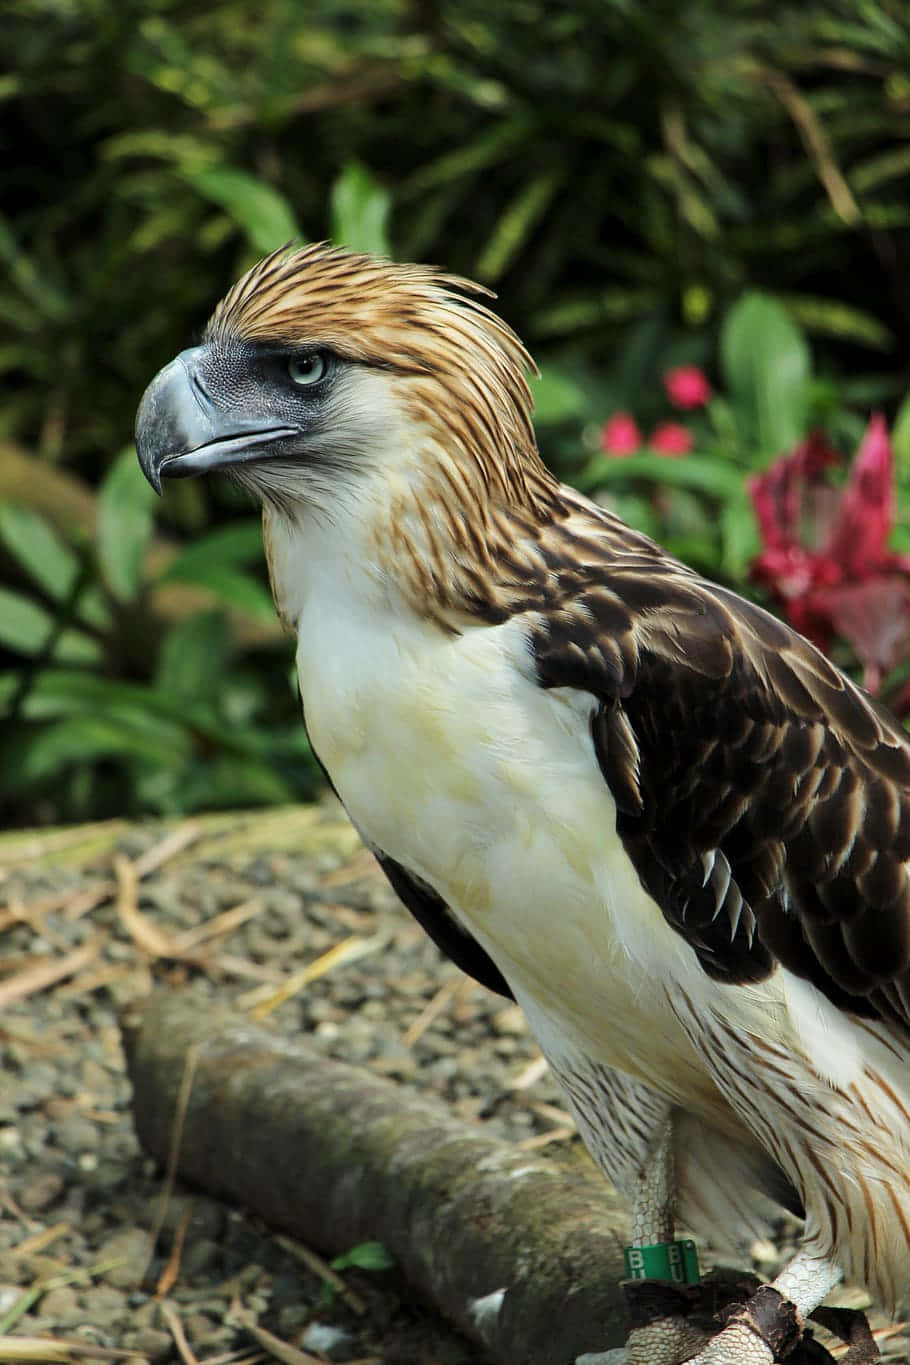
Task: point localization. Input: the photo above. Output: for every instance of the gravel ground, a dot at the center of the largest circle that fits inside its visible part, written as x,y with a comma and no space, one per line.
93,917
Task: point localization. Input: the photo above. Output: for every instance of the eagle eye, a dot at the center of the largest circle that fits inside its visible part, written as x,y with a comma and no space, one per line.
306,370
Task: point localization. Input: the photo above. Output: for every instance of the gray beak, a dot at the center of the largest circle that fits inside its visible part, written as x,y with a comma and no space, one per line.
181,432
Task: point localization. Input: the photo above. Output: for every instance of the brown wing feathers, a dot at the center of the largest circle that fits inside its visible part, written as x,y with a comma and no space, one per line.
764,800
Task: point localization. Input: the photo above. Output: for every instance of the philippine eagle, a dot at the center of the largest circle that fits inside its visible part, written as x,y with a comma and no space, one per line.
636,802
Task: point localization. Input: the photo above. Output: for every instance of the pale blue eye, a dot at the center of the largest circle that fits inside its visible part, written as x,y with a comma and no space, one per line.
307,369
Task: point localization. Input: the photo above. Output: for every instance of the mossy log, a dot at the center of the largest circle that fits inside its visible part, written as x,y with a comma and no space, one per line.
519,1250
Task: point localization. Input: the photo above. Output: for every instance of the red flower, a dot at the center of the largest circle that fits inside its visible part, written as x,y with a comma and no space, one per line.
670,438
825,555
620,435
687,387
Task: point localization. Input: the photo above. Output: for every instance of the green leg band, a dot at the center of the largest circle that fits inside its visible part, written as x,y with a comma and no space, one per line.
673,1261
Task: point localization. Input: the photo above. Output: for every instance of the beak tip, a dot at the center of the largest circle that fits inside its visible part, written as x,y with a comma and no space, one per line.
164,420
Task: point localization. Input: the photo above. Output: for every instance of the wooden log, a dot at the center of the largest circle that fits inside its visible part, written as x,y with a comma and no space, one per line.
520,1251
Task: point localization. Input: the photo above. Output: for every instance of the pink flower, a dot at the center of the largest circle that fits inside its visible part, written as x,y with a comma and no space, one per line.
620,435
670,438
687,387
825,555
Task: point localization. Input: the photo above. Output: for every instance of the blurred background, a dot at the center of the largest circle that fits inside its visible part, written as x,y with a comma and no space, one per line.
696,214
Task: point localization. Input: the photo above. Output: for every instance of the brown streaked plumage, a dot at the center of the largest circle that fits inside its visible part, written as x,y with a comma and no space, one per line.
653,813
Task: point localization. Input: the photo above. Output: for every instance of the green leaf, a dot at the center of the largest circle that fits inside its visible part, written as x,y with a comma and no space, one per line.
80,739
230,586
557,397
258,208
26,627
360,211
493,145
900,439
767,368
59,692
124,525
228,781
366,1256
830,317
238,543
516,224
193,653
48,301
697,472
38,548
609,306
50,561
739,536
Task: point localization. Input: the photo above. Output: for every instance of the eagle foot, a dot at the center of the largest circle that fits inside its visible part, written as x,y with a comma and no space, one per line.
673,1324
660,1330
765,1328
769,1316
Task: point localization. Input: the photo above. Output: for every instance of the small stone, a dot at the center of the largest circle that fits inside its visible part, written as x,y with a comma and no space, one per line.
148,1341
103,1303
62,1306
126,1254
201,1329
200,1255
9,1294
41,1191
76,1134
144,1312
292,1317
207,1217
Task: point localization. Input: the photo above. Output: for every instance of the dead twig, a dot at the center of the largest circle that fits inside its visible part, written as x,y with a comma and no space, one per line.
816,142
281,1350
171,1272
56,1349
39,1241
262,1001
325,1272
47,973
535,1070
439,1003
172,1318
170,1175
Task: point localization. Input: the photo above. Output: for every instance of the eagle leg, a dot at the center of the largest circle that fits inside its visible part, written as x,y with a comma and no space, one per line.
660,1332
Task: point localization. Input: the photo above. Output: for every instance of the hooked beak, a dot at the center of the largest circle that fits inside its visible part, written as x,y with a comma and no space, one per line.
181,432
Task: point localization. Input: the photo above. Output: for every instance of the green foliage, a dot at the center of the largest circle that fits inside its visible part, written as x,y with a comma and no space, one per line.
365,1256
699,503
209,721
644,184
371,1256
765,362
263,214
124,526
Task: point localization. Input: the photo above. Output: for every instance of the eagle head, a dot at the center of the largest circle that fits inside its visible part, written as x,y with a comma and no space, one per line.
322,368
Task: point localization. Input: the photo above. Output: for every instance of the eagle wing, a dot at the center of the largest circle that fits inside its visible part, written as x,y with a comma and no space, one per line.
435,917
763,799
